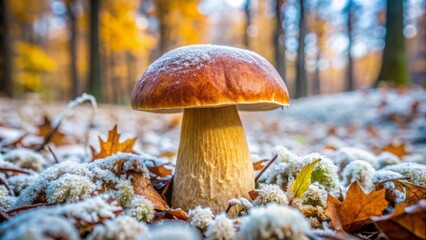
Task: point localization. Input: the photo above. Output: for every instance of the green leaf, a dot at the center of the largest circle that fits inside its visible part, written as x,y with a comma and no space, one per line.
303,180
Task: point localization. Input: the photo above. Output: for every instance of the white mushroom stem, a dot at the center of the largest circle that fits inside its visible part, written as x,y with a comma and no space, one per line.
213,163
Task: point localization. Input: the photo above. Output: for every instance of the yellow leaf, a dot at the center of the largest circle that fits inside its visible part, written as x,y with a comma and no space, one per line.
303,180
113,145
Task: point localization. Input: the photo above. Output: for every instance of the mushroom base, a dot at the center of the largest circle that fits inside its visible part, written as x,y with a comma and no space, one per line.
213,162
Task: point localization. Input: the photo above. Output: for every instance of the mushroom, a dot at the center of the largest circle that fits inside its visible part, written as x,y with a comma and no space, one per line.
210,83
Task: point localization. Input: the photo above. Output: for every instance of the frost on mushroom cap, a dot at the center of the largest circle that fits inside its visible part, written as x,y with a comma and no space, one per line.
209,76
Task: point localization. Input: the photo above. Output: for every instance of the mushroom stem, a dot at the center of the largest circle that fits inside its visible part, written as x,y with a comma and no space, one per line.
213,162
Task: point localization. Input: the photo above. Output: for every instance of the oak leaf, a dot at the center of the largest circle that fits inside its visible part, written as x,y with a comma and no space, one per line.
405,222
356,209
113,145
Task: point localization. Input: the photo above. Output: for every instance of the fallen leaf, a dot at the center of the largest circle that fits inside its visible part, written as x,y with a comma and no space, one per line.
259,164
357,208
167,154
160,171
303,180
399,149
405,222
253,194
167,190
18,142
413,193
113,145
333,206
143,186
45,129
177,213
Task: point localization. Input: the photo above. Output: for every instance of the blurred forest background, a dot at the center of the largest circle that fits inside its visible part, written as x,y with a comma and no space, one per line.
61,48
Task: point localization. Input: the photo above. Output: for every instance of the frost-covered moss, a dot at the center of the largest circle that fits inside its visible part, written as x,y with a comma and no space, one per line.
270,193
325,171
345,155
141,208
414,171
274,222
120,228
5,199
21,181
387,159
174,230
200,217
69,188
25,158
41,227
89,211
285,167
315,195
222,228
358,171
125,192
244,203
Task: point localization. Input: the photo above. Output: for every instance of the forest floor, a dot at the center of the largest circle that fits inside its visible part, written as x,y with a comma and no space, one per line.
368,122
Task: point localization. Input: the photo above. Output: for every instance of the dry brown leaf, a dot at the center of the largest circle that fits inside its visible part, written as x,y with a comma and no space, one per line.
357,208
399,149
253,194
413,193
166,192
333,206
405,223
113,145
18,142
160,171
259,164
167,154
177,213
46,128
143,186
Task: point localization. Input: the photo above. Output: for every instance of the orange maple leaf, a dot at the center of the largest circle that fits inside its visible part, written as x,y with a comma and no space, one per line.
356,209
113,145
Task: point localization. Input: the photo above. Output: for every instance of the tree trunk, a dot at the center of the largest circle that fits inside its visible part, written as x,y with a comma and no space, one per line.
395,57
162,12
301,84
317,78
279,38
73,49
6,84
95,84
350,84
248,22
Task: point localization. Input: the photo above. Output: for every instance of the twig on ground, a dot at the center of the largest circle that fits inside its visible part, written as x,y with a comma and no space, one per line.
4,182
9,169
55,158
4,216
264,168
23,208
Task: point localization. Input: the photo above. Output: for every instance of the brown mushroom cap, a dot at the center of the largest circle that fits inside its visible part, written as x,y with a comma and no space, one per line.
209,76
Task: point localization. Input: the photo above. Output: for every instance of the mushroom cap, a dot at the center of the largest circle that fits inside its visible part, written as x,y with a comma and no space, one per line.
203,76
